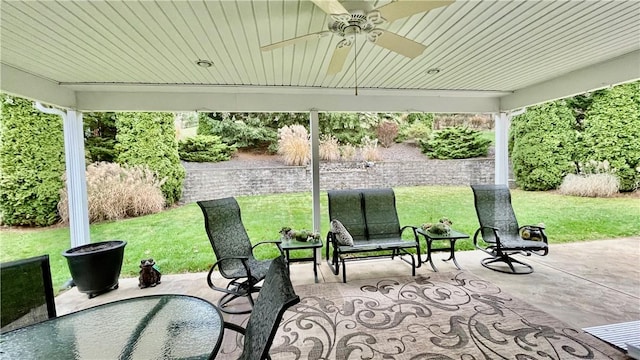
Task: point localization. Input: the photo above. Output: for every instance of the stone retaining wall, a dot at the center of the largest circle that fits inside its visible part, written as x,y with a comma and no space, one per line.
204,184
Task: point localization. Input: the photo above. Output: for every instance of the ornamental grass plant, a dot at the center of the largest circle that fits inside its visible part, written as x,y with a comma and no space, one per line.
115,192
329,148
293,145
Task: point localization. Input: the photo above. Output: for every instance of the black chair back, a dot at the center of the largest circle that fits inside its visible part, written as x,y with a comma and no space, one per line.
494,209
276,296
26,292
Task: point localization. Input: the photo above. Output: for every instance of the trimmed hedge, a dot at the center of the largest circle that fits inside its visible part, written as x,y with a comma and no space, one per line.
150,139
542,142
31,163
612,132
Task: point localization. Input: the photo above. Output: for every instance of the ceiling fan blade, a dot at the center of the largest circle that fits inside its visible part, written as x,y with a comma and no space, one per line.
295,40
331,7
396,43
339,57
403,8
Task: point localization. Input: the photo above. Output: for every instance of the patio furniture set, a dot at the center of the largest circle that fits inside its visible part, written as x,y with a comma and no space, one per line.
364,225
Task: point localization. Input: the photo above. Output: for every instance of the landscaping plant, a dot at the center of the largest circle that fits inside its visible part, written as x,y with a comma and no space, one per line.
205,148
456,142
612,132
542,143
115,192
150,139
294,145
31,163
387,132
329,148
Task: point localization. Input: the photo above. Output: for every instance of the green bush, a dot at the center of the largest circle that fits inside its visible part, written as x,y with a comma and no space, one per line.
205,148
150,139
348,128
542,142
243,132
455,143
612,132
99,136
31,163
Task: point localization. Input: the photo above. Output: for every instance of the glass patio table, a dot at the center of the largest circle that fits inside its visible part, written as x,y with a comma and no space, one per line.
148,327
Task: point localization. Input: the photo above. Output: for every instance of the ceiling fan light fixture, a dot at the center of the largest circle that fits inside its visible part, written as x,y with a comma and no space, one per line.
204,63
433,71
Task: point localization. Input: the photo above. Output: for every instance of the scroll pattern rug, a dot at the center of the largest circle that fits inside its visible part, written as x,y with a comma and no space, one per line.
439,317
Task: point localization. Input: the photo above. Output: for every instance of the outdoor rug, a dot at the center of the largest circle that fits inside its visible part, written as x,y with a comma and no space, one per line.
443,316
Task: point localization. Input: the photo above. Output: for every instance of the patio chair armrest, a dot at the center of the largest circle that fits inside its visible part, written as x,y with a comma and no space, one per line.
234,327
479,233
243,259
277,243
415,232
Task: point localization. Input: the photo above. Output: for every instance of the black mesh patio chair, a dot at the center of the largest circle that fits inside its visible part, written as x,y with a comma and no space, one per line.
26,292
234,253
276,296
499,234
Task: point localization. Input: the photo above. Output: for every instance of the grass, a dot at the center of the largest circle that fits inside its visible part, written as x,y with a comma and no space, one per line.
176,239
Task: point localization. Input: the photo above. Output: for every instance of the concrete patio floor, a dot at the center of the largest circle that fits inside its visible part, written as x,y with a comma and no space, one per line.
583,284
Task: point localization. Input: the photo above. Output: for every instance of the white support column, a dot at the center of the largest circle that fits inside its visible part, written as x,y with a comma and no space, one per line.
502,151
315,172
75,169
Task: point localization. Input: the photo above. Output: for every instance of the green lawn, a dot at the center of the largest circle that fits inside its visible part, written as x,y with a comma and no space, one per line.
176,238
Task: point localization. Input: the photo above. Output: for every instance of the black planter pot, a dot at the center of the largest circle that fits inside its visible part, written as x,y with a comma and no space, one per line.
95,268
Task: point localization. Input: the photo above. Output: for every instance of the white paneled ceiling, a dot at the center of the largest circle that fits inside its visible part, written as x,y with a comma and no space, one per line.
141,55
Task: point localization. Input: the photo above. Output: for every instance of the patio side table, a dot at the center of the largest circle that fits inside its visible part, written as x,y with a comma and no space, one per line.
452,237
288,245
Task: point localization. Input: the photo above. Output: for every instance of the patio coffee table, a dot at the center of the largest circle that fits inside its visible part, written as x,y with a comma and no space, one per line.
452,237
148,327
288,245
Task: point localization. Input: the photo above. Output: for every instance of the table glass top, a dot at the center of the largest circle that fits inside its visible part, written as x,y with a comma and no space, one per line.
290,244
452,235
150,327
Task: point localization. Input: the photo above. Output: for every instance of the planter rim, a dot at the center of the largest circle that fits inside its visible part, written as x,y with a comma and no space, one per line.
115,244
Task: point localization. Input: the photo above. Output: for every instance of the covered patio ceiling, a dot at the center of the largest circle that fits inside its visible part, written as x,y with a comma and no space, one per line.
480,56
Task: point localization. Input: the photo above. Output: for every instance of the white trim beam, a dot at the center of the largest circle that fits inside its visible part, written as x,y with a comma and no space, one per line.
19,83
273,102
625,68
315,173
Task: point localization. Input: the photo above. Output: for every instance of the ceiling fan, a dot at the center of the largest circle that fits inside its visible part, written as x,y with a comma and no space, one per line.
347,24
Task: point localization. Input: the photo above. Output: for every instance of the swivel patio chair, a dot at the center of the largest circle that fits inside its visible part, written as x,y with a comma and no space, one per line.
499,234
27,292
276,296
234,253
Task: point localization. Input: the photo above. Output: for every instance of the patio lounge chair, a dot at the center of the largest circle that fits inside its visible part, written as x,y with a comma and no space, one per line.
234,252
27,292
499,234
276,296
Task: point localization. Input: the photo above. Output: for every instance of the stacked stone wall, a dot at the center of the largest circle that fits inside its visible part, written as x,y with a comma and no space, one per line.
210,183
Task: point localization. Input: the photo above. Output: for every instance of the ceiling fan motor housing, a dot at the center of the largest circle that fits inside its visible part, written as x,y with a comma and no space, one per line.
348,25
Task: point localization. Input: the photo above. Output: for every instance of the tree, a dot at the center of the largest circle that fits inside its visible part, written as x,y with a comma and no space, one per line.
150,139
612,132
31,163
99,136
542,142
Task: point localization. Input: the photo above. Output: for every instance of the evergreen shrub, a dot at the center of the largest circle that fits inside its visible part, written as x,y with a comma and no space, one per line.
150,139
456,142
205,148
612,132
31,163
542,143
